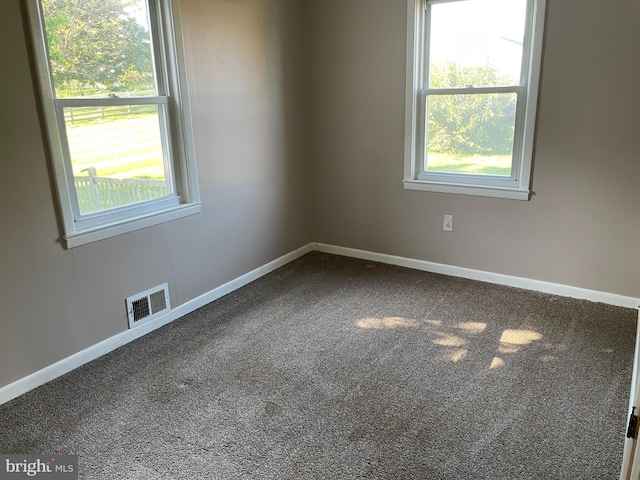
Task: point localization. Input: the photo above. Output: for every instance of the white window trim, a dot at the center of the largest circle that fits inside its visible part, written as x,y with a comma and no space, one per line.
142,215
517,188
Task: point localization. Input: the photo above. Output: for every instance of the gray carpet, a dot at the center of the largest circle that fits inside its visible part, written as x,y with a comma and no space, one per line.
335,368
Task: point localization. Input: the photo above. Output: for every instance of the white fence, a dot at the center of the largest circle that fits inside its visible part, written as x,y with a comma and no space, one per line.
99,193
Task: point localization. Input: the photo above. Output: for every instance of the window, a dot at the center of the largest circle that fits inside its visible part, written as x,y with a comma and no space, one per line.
472,85
116,112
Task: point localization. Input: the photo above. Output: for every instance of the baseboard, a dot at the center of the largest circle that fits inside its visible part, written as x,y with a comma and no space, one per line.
55,370
47,374
489,277
72,362
241,281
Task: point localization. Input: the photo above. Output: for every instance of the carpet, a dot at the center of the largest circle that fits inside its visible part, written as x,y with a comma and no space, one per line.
338,368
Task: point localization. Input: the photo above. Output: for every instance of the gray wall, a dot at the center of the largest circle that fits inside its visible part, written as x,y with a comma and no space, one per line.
582,227
247,69
299,127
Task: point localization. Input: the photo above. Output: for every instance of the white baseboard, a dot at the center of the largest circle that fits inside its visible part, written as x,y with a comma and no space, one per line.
241,281
489,277
36,379
72,362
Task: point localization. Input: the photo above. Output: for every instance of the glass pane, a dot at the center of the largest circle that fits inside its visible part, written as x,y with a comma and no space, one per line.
99,47
116,155
471,133
476,42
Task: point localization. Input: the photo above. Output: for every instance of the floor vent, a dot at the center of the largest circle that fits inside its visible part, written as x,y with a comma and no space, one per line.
148,305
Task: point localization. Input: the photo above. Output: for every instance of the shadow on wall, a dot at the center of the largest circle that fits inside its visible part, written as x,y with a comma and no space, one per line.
457,340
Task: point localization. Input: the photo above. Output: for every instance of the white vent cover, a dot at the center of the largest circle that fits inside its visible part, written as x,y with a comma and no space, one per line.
148,305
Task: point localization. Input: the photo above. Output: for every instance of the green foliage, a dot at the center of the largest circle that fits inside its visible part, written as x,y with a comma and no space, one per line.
96,46
470,124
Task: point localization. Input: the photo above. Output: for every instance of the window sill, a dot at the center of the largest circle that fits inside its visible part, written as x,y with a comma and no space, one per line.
103,232
475,190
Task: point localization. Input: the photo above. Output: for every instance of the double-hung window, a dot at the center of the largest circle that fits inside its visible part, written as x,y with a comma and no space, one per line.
116,113
472,86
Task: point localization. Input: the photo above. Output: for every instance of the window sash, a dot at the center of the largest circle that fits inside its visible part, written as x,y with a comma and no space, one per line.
424,26
93,219
467,178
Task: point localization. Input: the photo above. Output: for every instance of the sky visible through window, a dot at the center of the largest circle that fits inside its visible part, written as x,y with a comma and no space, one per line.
138,11
475,33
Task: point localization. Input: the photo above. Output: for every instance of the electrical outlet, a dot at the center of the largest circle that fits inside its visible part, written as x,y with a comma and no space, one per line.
447,224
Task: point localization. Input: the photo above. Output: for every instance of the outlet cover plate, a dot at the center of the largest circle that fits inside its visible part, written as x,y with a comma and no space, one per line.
447,224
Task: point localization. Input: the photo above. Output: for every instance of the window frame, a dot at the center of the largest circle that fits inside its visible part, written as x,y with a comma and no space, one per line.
177,136
517,186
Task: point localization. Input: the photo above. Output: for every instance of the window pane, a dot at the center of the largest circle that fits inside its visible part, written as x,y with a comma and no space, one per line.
471,133
116,155
476,42
99,47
